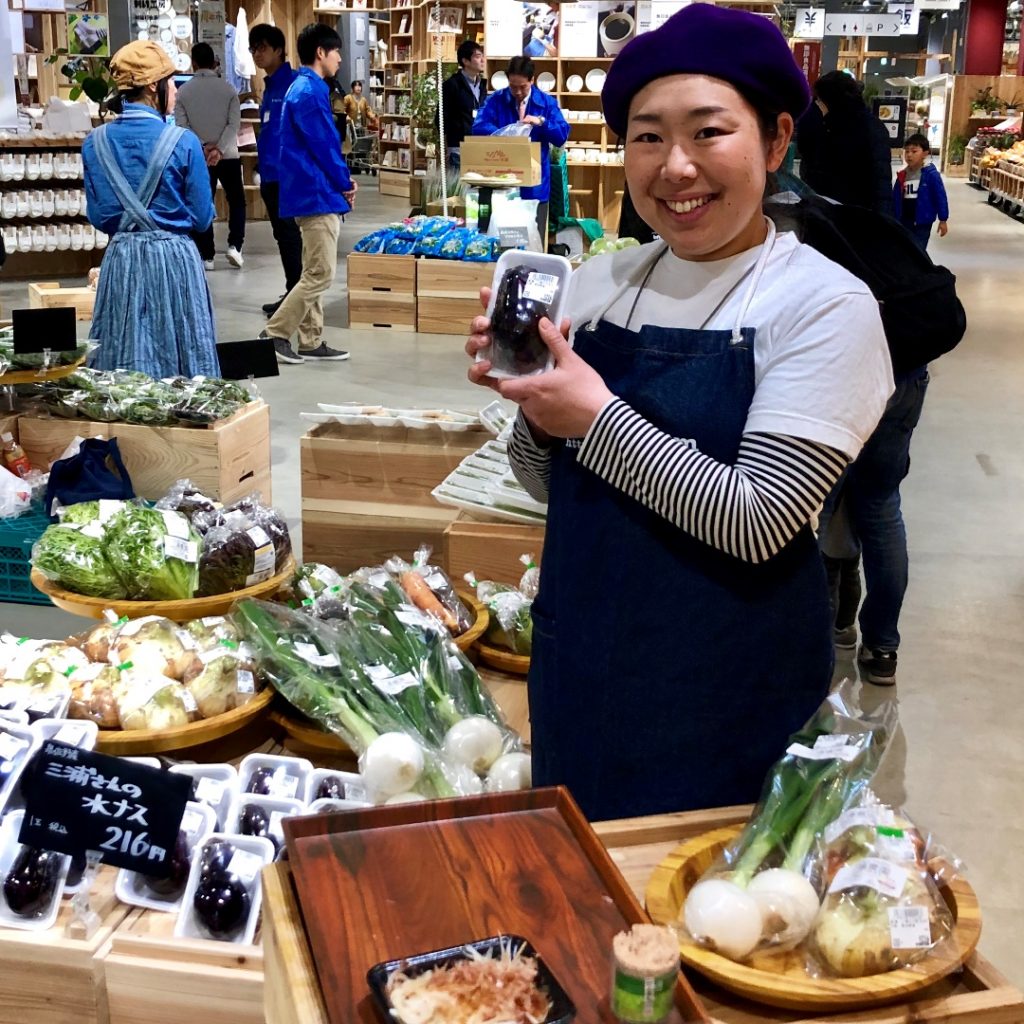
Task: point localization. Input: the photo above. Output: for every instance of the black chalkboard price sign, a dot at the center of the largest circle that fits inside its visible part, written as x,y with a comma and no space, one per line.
78,801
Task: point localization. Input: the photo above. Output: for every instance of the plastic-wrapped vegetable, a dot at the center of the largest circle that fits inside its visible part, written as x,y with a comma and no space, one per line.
93,695
221,679
155,553
155,645
212,632
521,302
268,519
511,622
75,558
153,702
430,590
186,498
237,553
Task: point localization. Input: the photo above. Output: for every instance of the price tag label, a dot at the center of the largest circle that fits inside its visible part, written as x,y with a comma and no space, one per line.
274,825
283,784
311,653
209,791
245,865
910,928
833,747
183,550
541,288
872,873
387,682
244,681
871,817
71,734
188,701
176,525
192,822
78,800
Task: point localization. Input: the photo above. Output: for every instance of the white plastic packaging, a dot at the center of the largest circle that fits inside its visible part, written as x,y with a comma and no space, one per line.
18,743
198,821
214,784
329,784
547,287
275,775
247,857
328,805
261,816
10,849
72,731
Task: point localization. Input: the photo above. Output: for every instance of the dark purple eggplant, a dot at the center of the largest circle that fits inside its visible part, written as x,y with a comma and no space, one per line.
517,344
330,788
216,859
222,904
254,821
260,781
32,881
173,885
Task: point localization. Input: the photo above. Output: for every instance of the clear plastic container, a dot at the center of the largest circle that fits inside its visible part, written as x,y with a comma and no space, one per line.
36,913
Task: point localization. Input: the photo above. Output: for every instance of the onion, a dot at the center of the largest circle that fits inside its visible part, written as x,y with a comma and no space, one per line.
788,905
465,781
723,917
392,764
510,772
475,741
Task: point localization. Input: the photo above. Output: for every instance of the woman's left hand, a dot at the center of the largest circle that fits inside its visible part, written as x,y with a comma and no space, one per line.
565,401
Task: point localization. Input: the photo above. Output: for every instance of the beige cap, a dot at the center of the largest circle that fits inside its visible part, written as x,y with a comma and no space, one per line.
140,63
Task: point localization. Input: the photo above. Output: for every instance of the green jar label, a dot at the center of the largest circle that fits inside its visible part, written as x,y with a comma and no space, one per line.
642,1000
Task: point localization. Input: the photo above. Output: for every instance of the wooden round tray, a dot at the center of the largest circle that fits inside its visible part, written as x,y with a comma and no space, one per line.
39,376
503,659
780,979
480,623
135,742
307,733
178,611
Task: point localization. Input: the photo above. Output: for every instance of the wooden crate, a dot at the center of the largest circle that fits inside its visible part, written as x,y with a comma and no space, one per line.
978,995
255,209
393,183
154,978
227,460
448,294
49,294
382,292
490,548
47,978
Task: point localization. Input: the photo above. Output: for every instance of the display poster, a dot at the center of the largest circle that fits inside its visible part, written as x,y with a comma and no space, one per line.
212,20
44,5
88,34
17,27
616,25
446,21
808,58
809,23
910,15
504,28
861,23
652,14
892,112
577,35
540,30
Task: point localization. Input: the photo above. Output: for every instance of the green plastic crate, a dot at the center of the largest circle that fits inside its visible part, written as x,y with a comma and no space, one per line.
16,539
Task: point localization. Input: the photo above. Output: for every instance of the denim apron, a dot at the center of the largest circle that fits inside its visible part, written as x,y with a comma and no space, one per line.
153,311
666,675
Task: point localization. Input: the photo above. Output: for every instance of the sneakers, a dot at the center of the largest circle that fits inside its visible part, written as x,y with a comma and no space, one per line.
283,350
879,667
207,264
235,257
271,308
845,638
324,353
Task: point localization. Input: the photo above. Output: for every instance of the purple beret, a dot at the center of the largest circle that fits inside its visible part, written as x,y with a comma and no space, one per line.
746,50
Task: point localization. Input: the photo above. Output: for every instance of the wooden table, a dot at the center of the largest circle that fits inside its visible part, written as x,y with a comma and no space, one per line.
979,995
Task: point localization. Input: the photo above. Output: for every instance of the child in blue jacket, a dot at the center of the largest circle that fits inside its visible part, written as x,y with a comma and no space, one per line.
919,197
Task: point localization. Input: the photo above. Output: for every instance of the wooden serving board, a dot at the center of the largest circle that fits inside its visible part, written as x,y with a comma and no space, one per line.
389,882
781,979
503,660
481,620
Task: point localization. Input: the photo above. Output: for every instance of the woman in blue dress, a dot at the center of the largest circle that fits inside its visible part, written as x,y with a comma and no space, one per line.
148,187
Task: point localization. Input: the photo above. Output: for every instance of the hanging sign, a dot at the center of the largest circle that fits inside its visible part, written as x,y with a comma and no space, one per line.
855,23
910,15
809,23
808,59
78,801
892,112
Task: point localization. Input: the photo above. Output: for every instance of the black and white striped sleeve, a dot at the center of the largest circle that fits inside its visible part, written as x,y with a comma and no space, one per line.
750,510
530,461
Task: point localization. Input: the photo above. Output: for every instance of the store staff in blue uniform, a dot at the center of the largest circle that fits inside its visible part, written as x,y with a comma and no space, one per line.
717,383
520,102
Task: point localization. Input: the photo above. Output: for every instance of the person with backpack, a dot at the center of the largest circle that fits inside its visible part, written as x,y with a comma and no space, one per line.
719,381
919,197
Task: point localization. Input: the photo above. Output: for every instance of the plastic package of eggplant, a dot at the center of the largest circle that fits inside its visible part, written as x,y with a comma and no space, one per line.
527,286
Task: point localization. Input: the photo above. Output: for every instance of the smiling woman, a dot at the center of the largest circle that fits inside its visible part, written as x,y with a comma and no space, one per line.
718,382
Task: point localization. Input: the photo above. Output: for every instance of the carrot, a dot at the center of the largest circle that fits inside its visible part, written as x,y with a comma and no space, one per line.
426,600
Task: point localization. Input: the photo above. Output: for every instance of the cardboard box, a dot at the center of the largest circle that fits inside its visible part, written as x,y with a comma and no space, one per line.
491,548
448,294
50,294
456,207
393,182
227,460
495,155
382,292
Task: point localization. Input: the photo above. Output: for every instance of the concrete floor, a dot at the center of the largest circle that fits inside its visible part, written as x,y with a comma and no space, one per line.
960,765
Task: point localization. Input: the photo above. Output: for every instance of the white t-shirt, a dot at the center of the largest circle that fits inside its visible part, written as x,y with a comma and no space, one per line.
821,362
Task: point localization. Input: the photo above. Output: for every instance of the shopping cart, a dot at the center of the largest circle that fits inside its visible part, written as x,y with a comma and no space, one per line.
363,149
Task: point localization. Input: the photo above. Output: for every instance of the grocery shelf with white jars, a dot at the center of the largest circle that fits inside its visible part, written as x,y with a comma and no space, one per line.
43,208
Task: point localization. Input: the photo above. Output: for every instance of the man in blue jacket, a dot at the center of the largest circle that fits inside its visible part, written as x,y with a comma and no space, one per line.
316,190
266,44
919,197
520,102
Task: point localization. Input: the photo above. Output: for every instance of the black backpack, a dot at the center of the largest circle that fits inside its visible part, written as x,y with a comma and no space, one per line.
922,317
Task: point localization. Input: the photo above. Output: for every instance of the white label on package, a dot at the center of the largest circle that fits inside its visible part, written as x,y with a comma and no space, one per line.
108,508
274,825
209,790
191,822
391,684
326,575
183,550
833,747
188,701
94,530
311,653
212,620
246,866
869,816
176,525
283,783
10,746
909,928
245,681
436,580
541,288
419,619
264,556
897,845
872,873
378,579
72,735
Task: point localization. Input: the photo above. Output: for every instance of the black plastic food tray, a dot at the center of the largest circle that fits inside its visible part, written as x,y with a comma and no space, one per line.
562,1009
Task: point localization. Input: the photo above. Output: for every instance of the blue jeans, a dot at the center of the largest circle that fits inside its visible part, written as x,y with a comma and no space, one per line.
871,489
921,233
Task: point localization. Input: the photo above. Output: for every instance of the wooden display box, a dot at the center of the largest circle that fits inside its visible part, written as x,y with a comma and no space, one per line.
154,978
227,460
492,156
382,292
50,294
366,490
393,182
47,978
490,548
448,294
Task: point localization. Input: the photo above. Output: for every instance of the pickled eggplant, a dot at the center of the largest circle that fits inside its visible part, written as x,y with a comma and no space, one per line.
31,883
173,885
524,297
221,900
